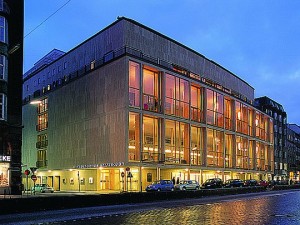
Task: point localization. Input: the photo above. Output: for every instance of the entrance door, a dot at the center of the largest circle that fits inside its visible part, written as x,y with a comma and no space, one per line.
104,180
56,183
50,181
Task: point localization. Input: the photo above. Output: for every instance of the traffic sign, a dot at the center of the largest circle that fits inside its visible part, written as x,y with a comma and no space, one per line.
130,175
27,172
122,174
127,169
33,177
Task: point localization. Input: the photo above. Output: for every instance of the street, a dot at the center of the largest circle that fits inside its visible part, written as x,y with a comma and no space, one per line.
272,207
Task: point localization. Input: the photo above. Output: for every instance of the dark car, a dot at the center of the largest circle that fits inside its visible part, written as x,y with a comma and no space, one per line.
234,183
251,182
161,185
213,183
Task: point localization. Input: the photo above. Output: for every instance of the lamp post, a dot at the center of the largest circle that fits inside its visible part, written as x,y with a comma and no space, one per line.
78,180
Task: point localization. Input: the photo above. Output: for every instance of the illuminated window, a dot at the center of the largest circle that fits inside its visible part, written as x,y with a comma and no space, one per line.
151,134
228,114
41,158
197,145
42,141
177,142
228,150
196,104
215,108
42,115
215,150
243,156
262,126
4,174
243,118
151,99
134,137
177,96
134,84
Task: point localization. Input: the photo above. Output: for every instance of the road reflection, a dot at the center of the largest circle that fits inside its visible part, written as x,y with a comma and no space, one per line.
276,209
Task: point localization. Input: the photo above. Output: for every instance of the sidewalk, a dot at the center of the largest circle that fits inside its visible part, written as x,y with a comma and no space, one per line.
30,194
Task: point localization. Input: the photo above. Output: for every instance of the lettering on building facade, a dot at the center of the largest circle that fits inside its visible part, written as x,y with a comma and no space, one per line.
100,165
5,158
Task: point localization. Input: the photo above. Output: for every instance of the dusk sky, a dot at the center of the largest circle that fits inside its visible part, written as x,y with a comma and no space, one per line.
254,39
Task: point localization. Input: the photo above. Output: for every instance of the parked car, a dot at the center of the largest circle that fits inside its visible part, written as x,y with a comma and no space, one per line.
251,182
234,183
213,183
43,188
264,183
161,185
187,185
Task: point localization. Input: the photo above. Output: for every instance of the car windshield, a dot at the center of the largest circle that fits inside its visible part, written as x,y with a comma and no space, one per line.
183,182
210,180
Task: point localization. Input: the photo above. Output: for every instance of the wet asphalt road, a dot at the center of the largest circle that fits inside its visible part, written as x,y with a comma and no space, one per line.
273,207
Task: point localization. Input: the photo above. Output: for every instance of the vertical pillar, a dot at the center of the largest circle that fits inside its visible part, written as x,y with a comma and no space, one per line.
140,178
158,173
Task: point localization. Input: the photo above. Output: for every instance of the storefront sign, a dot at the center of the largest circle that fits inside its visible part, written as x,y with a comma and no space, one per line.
100,165
4,158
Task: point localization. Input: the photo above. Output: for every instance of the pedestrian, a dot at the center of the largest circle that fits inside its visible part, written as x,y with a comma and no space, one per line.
177,182
173,180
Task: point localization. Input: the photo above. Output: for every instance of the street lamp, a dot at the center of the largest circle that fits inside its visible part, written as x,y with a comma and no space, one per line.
78,180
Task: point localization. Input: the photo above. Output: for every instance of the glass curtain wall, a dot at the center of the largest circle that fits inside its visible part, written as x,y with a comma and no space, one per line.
177,96
242,153
177,142
196,104
151,134
228,150
215,148
228,114
134,84
134,137
215,108
260,156
151,100
241,112
197,145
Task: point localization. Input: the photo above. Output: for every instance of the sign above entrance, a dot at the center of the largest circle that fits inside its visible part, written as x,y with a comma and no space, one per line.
100,165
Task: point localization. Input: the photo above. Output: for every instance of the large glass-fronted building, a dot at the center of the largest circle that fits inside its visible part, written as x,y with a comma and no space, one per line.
129,106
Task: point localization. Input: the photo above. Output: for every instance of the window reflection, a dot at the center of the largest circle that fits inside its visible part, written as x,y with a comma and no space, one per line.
177,96
134,136
150,131
215,150
215,108
134,84
151,99
176,142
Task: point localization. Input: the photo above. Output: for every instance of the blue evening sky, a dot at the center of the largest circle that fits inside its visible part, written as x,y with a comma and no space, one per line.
257,40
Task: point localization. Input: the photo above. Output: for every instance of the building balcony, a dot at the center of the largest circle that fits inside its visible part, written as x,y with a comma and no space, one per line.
42,144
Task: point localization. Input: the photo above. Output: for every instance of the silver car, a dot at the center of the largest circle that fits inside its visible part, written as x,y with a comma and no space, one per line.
187,185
